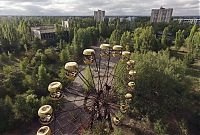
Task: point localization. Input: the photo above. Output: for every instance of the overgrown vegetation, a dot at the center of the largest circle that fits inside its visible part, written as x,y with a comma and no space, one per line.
164,85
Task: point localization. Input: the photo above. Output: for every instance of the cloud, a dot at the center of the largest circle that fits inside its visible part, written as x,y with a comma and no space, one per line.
86,7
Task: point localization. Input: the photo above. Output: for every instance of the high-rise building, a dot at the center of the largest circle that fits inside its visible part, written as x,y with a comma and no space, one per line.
161,15
99,15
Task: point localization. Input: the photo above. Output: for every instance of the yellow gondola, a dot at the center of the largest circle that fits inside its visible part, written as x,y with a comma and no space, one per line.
44,130
55,89
126,55
123,108
128,97
130,64
105,50
116,121
71,70
45,113
117,50
88,56
131,85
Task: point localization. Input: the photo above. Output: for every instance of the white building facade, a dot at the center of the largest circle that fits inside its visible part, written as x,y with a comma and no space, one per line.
99,15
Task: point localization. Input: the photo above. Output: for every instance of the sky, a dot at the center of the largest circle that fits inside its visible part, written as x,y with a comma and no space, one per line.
86,7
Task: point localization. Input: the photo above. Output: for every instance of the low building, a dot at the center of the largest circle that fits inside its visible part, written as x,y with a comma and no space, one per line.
44,32
161,15
99,15
127,18
188,20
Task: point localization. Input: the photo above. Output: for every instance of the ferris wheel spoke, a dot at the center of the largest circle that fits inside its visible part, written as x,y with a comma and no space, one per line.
98,66
86,82
92,76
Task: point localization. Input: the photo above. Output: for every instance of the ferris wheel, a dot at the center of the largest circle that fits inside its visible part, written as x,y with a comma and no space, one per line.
100,101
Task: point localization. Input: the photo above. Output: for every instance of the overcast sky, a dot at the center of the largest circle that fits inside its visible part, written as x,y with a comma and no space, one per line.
86,7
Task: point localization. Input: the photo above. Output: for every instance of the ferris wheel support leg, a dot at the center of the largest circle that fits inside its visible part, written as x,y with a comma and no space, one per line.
110,122
98,66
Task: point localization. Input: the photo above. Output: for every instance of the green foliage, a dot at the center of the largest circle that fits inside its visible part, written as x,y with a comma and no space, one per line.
164,37
3,58
7,115
193,41
24,31
64,55
103,29
115,37
43,79
159,84
51,54
189,59
126,41
121,77
36,44
23,64
190,37
89,76
196,44
31,63
83,38
117,131
179,39
9,37
159,128
144,39
26,107
13,80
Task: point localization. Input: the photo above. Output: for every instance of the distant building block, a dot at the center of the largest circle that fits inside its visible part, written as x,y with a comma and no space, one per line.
161,15
99,15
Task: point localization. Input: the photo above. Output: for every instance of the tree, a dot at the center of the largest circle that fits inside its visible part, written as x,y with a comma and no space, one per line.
136,39
159,84
13,80
64,55
179,39
43,79
188,40
196,43
103,28
193,41
25,107
9,38
115,37
25,32
7,119
144,39
83,38
23,64
126,41
51,54
164,37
